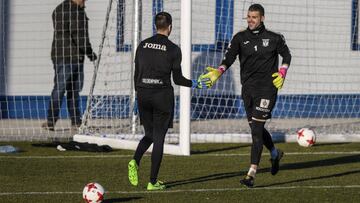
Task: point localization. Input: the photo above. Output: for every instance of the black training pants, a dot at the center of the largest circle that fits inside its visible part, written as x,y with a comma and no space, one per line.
156,109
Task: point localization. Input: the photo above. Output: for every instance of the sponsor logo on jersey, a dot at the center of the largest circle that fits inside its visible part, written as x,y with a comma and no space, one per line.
265,42
262,109
264,103
155,46
246,42
152,81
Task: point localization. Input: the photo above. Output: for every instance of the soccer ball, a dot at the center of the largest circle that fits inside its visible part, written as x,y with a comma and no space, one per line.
93,193
306,137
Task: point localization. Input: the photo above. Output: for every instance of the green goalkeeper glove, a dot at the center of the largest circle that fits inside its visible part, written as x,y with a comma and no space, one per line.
279,77
211,76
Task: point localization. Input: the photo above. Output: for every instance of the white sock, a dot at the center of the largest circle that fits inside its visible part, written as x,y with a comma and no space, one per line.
252,172
274,153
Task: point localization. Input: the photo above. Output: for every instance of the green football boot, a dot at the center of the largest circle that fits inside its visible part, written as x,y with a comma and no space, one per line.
157,186
133,172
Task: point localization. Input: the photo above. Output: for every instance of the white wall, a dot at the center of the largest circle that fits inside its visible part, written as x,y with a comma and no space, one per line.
30,70
2,45
317,32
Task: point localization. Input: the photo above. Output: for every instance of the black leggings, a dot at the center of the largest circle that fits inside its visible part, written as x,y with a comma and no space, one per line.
260,137
156,112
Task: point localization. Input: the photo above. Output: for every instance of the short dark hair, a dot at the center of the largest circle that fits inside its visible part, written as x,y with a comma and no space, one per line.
257,7
162,20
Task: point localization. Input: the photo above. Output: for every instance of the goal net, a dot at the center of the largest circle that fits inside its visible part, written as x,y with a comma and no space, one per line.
321,91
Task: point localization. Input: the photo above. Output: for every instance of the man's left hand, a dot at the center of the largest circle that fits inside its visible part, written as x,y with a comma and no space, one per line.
92,57
279,77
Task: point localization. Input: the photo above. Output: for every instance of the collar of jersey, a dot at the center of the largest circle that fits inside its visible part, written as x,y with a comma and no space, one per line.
257,30
160,35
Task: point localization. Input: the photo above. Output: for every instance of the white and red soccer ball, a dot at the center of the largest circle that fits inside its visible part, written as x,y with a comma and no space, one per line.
93,193
306,137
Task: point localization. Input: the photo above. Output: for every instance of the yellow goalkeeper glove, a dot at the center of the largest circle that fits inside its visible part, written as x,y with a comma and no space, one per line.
279,77
211,76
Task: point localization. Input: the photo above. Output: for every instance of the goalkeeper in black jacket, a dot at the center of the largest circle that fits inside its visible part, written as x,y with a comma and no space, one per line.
156,58
261,77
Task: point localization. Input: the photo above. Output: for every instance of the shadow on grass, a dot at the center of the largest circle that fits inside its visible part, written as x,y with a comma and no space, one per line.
318,163
125,199
193,152
206,178
47,144
292,166
330,144
312,178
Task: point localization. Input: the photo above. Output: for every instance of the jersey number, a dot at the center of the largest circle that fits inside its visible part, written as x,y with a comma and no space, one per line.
255,47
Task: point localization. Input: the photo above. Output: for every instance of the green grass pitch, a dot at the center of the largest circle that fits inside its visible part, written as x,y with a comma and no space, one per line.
323,173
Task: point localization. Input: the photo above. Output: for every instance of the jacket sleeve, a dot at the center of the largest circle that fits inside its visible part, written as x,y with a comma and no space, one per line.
136,61
178,78
283,50
80,33
59,20
232,51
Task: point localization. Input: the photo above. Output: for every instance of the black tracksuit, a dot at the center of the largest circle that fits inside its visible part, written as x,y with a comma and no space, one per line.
258,52
156,59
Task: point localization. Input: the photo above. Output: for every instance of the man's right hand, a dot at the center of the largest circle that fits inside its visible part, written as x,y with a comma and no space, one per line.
92,57
211,76
136,108
198,84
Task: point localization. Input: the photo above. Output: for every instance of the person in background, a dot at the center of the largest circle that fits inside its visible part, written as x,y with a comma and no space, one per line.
70,45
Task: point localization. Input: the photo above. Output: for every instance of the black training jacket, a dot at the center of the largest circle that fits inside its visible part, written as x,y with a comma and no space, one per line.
258,52
71,38
156,58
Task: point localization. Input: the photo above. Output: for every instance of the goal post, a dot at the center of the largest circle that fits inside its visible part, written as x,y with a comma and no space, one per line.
185,93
